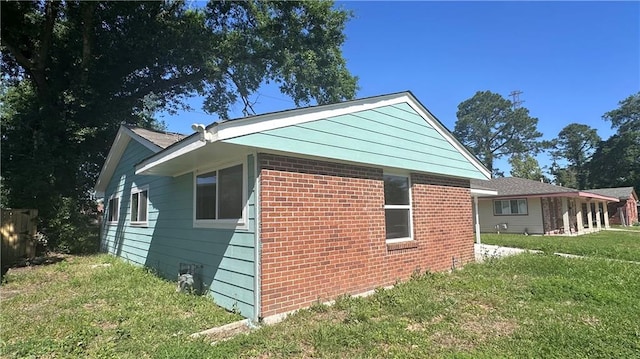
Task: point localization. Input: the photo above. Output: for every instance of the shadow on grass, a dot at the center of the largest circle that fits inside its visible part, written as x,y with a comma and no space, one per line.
44,260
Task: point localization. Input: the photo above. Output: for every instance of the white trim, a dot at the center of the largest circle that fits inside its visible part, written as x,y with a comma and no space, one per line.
526,202
116,211
118,147
476,219
485,192
258,246
424,113
240,223
138,190
241,127
187,145
400,206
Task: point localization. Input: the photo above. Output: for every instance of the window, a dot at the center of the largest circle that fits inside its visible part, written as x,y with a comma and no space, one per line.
139,206
397,208
114,208
510,206
219,196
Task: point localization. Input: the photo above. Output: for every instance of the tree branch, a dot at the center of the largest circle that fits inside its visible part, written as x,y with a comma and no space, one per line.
51,11
88,9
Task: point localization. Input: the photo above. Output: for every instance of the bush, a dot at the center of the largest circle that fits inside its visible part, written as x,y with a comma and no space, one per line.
73,228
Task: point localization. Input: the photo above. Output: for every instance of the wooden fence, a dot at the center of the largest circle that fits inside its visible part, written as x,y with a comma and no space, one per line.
18,234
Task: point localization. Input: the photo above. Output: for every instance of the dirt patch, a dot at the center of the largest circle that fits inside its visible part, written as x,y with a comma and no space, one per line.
474,330
448,340
7,294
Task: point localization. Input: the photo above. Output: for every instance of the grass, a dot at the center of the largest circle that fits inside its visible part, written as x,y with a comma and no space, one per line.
99,307
521,306
605,244
635,227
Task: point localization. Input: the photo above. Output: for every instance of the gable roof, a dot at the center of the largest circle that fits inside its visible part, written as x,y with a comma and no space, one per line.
510,187
617,192
161,139
238,132
153,140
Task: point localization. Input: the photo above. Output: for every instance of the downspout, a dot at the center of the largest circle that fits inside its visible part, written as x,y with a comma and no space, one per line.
257,245
477,219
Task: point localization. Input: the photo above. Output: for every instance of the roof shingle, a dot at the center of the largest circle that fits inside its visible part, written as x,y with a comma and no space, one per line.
161,139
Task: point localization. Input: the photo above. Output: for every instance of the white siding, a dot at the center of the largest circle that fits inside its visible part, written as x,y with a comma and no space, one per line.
531,222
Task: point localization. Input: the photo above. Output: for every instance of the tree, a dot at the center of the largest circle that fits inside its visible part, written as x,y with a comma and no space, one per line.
491,127
75,71
563,176
576,143
616,161
627,116
526,166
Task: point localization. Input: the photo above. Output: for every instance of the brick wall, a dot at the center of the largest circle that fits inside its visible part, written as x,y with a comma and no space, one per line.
323,231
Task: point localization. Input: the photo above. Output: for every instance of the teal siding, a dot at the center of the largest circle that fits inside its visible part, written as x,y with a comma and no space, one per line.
226,255
390,136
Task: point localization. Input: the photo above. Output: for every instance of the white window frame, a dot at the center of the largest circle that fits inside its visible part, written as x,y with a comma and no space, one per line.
526,204
240,223
137,190
399,206
115,211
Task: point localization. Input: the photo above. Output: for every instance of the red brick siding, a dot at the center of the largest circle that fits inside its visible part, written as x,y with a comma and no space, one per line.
323,232
629,206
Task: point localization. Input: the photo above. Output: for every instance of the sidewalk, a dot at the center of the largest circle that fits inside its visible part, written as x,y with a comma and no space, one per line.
484,251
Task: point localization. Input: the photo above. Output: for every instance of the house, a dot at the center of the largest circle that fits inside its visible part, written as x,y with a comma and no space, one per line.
624,212
532,207
274,212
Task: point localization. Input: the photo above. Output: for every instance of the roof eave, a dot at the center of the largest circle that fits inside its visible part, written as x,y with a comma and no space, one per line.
123,136
558,194
240,127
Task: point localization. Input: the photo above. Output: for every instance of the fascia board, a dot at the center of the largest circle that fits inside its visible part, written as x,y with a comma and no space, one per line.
185,146
242,127
123,136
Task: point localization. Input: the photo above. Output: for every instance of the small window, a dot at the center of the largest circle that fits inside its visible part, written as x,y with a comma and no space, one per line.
397,208
139,209
510,207
114,207
219,196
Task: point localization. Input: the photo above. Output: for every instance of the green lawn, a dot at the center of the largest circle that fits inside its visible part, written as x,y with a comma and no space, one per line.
605,244
97,306
536,306
635,228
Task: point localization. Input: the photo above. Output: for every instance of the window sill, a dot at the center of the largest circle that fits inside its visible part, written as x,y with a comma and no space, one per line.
396,246
237,225
139,224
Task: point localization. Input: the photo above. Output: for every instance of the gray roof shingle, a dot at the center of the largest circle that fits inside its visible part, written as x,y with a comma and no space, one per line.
512,186
161,139
617,192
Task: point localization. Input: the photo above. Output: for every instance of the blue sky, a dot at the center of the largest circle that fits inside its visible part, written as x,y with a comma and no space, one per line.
573,61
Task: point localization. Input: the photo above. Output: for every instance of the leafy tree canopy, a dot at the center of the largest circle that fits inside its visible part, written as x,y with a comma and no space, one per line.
616,161
563,176
491,127
575,144
74,71
627,116
526,166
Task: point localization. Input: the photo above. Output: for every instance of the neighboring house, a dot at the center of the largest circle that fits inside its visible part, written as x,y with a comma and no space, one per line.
624,212
532,207
278,211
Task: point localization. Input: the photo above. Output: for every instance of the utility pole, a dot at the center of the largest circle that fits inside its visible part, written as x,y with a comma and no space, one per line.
515,98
